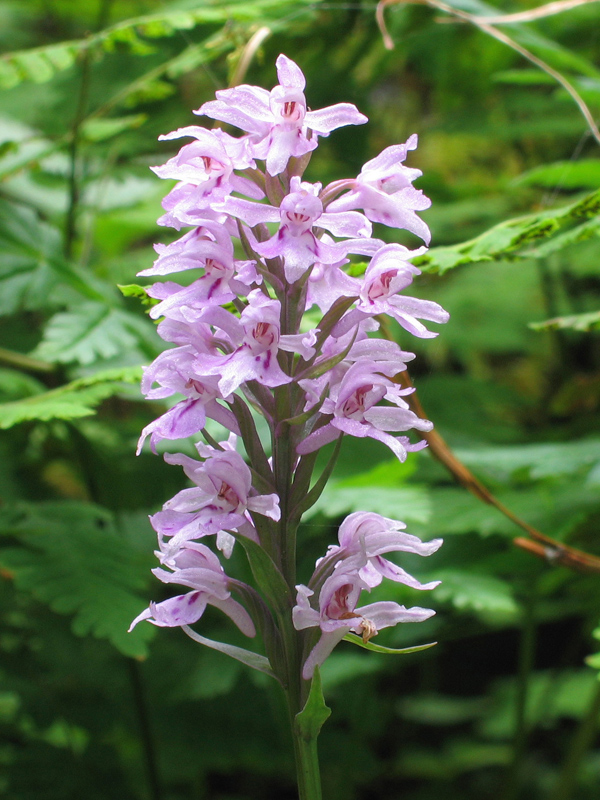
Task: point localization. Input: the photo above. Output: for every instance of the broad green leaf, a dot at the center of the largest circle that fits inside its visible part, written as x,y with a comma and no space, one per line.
439,709
553,52
556,507
32,266
484,595
455,759
575,322
551,695
378,648
10,75
43,63
582,174
210,676
71,558
76,399
344,666
151,86
539,460
97,130
548,49
515,238
408,503
23,147
92,331
29,248
16,384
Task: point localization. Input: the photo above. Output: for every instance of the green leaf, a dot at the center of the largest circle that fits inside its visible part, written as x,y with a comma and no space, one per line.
32,265
344,666
9,74
594,662
72,558
513,238
582,174
539,460
40,64
378,648
269,579
556,507
92,331
551,51
439,709
408,503
315,713
487,596
527,77
134,290
210,676
16,384
98,130
455,759
580,233
551,695
575,322
76,399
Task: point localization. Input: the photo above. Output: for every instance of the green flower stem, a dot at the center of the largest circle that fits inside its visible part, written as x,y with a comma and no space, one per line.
307,765
306,707
307,715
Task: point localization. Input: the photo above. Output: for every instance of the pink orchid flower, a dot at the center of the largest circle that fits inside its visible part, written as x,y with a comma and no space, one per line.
278,121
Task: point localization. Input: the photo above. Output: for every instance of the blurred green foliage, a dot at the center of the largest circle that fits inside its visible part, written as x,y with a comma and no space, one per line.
505,706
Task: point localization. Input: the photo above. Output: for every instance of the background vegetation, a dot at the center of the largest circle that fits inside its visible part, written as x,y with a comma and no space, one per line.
506,706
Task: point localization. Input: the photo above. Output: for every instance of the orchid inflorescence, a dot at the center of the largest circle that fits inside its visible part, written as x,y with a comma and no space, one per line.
242,349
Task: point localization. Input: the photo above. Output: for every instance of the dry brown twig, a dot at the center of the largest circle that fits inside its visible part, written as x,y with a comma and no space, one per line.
248,54
485,24
543,546
547,10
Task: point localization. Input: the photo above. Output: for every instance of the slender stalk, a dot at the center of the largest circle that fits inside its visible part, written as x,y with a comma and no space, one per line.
74,142
583,739
307,765
145,730
521,734
24,362
74,166
304,736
